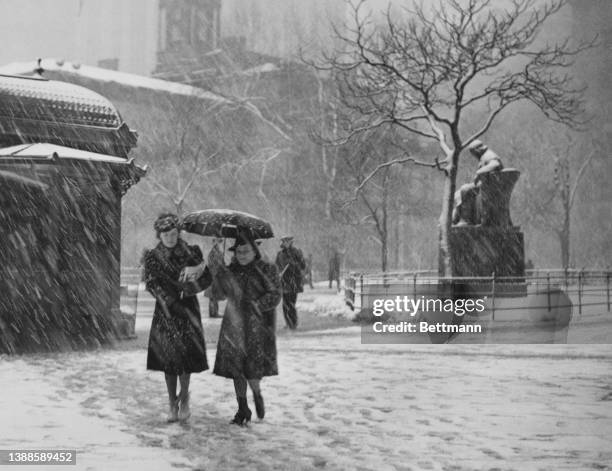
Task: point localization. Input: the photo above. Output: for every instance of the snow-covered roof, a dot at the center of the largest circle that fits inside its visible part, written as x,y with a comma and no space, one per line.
106,75
45,150
54,101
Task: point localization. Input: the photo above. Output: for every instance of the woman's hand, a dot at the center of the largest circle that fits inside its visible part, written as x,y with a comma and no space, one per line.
198,273
192,273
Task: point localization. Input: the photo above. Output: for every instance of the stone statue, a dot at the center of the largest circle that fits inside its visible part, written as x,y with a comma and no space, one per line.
486,201
483,239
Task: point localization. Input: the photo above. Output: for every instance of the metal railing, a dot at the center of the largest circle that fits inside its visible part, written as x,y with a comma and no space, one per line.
585,288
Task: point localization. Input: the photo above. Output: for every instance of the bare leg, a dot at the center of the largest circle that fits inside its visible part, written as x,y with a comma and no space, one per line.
173,402
171,385
184,411
184,379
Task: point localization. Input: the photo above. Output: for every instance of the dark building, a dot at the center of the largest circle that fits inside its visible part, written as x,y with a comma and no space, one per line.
188,30
63,171
191,50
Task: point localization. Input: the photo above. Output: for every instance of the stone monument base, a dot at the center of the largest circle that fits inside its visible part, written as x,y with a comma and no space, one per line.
481,251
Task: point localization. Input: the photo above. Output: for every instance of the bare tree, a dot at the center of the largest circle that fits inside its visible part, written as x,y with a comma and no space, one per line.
182,153
427,68
377,203
550,199
327,117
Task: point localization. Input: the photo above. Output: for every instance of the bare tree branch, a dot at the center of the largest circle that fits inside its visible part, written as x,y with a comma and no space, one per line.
428,66
579,175
390,163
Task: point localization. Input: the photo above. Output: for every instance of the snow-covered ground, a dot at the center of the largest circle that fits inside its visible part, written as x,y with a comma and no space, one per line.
336,405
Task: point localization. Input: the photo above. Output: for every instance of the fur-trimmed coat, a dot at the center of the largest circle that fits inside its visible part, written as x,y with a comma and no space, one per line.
176,340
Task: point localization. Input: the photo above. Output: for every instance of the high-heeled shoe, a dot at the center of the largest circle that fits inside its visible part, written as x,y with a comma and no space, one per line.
259,405
243,416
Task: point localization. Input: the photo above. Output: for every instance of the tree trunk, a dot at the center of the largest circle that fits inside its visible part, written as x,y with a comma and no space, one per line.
401,229
328,199
384,236
179,208
397,238
384,252
564,236
445,268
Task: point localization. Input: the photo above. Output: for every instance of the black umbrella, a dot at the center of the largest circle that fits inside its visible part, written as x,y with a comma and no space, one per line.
225,223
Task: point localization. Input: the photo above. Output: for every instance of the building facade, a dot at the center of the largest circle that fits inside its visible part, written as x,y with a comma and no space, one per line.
61,214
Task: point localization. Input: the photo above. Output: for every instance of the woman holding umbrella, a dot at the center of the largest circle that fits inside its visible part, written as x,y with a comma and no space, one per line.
176,340
246,351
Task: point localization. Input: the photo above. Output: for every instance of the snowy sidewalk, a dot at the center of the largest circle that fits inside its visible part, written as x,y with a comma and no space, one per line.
336,405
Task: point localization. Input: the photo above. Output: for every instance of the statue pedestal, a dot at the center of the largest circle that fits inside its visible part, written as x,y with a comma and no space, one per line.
480,251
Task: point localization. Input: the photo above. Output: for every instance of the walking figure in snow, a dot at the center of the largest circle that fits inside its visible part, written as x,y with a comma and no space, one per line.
246,350
290,263
334,269
176,340
308,271
212,292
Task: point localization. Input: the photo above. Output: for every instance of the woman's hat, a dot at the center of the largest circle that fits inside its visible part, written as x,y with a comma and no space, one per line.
287,237
255,244
242,238
166,222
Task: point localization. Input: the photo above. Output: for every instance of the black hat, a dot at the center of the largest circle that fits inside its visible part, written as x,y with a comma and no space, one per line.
244,237
256,244
166,222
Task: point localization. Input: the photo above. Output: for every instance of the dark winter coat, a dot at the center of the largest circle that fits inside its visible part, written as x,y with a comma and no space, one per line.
176,340
290,263
247,340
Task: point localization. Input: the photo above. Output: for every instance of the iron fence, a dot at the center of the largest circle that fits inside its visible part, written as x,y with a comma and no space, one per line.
584,288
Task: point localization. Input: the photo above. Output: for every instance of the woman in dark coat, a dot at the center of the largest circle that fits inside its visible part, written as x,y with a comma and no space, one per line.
176,340
246,351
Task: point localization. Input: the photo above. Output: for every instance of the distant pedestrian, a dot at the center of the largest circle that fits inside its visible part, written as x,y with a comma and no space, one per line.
176,339
246,350
213,292
308,271
334,269
290,263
